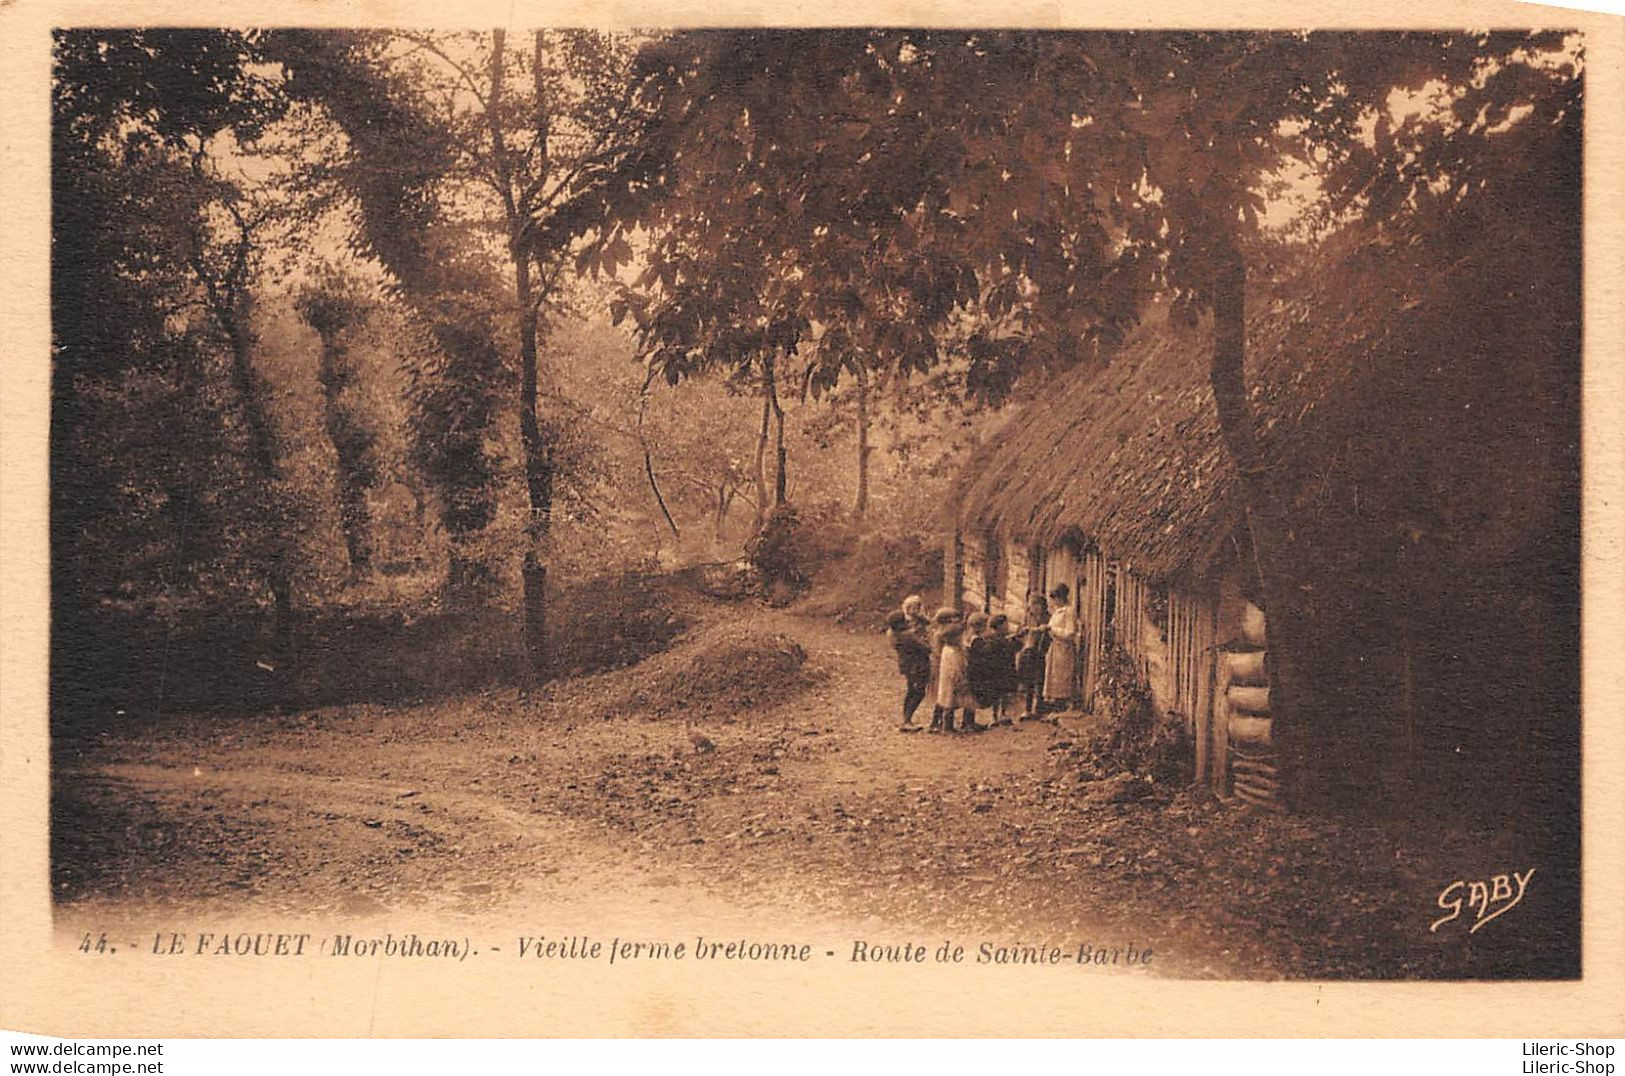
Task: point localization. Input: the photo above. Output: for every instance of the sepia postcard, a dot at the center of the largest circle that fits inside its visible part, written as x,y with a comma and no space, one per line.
877,521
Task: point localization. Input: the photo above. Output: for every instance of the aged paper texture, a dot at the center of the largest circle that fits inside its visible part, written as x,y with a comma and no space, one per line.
527,934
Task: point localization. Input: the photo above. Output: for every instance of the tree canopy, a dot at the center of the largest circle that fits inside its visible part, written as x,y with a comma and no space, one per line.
899,221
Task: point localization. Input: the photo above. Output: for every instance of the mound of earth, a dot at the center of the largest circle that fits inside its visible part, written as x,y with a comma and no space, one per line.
724,672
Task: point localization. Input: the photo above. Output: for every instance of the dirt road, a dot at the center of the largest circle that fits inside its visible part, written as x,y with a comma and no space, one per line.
811,809
638,796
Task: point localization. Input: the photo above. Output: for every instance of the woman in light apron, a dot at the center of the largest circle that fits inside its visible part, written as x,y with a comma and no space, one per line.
1061,663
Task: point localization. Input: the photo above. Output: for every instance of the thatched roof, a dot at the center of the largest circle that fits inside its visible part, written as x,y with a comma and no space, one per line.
1365,346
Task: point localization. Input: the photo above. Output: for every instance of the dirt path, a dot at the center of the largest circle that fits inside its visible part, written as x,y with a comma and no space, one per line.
618,798
440,857
493,803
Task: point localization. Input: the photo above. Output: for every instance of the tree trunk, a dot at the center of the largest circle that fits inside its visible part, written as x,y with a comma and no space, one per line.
1291,694
860,507
780,485
349,447
262,449
452,433
538,479
781,488
534,576
724,499
648,456
761,459
184,505
538,452
456,465
654,487
232,304
353,520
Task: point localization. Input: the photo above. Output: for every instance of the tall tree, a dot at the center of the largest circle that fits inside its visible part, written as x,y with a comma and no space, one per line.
223,244
568,132
776,232
521,141
333,307
711,301
695,438
860,503
155,250
400,167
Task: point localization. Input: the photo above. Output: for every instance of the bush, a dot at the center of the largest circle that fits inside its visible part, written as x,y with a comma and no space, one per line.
725,581
1132,736
861,588
123,662
792,546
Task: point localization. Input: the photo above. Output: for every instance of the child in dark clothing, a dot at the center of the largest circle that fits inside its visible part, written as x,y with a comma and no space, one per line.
981,667
1030,670
1006,645
913,661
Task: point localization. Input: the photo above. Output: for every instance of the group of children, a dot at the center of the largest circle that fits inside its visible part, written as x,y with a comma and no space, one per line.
975,662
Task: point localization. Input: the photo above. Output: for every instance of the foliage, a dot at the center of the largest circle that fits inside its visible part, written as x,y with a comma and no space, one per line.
613,621
333,306
1033,190
519,140
1130,734
697,437
386,641
701,433
177,84
775,553
877,188
160,448
951,214
793,544
395,162
861,588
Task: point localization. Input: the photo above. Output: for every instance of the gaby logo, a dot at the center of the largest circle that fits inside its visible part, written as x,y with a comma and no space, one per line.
1488,899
